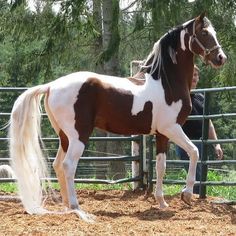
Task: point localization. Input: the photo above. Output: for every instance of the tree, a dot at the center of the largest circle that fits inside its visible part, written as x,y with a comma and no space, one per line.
39,46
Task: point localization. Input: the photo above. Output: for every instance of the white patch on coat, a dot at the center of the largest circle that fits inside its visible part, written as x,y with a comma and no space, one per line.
182,43
213,32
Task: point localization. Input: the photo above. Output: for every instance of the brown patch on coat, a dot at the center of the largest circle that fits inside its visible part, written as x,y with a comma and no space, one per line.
103,106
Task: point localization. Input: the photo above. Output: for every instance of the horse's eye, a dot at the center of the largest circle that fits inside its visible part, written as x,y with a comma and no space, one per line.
204,33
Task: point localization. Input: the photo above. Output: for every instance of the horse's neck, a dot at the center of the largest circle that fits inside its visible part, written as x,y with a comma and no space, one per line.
187,63
182,71
176,78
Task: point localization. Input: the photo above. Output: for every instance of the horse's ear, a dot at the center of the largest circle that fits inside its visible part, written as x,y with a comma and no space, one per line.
200,20
201,16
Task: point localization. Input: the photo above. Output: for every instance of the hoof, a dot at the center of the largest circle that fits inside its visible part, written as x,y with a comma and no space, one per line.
162,202
186,197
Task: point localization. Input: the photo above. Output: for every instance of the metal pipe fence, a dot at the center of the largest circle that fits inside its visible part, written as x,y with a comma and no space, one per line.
146,148
104,158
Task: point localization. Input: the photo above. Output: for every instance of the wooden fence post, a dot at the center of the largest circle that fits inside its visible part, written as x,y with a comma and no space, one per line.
135,146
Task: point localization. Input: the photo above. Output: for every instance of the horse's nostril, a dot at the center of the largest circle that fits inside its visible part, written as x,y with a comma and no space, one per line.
221,58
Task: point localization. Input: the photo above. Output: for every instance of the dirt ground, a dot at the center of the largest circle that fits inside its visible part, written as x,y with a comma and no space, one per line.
123,213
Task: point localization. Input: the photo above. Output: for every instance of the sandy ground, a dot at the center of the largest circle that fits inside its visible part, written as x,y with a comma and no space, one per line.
123,213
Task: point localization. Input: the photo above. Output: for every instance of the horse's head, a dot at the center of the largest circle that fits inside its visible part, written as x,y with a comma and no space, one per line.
203,42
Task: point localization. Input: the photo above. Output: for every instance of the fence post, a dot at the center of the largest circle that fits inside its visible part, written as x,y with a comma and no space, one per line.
135,164
204,146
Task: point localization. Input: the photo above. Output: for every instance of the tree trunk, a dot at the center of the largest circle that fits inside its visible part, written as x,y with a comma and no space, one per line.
111,37
111,41
100,146
98,43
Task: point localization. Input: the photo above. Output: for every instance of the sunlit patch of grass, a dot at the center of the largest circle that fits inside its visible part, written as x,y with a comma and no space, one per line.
8,187
125,186
172,189
227,192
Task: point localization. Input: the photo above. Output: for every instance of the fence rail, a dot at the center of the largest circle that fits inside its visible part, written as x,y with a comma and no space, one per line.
204,162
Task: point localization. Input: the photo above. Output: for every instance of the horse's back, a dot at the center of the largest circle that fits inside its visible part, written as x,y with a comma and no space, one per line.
67,88
77,79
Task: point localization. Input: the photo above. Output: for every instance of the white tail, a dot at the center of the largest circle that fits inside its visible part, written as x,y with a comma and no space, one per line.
28,162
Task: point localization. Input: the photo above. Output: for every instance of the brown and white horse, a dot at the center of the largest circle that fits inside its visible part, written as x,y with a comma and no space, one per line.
78,102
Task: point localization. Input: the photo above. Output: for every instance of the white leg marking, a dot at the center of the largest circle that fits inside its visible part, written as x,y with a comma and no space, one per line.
160,170
74,152
70,162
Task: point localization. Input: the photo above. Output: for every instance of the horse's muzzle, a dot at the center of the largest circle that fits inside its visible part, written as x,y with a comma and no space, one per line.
218,61
221,59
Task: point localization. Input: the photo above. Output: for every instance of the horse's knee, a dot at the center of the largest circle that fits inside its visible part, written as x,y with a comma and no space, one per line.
68,168
194,153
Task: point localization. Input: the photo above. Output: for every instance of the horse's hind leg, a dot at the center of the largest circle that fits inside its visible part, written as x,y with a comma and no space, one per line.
161,145
57,165
70,162
74,152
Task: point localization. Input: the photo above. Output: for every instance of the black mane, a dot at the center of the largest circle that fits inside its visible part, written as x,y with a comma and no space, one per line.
172,38
164,54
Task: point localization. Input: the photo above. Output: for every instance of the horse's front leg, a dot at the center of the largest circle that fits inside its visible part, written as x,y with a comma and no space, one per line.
177,135
161,146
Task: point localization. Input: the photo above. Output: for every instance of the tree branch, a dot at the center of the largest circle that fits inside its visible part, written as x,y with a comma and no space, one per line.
130,5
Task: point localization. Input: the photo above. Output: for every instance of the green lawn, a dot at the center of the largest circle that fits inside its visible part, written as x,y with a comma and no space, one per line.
227,192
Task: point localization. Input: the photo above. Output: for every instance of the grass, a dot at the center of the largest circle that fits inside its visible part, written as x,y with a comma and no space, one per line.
12,187
8,187
227,192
